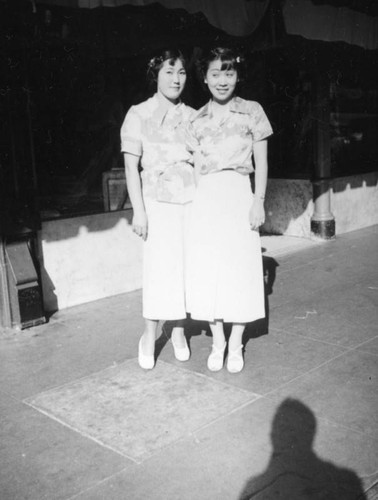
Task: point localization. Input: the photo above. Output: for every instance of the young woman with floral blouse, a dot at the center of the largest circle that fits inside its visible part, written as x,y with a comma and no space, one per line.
225,274
153,140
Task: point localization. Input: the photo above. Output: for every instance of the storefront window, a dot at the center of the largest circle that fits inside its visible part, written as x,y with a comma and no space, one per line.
354,129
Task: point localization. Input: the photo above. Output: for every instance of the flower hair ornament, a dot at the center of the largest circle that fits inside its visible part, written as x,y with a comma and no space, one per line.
155,61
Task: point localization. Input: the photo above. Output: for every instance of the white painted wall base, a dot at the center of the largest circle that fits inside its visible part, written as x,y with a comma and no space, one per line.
89,258
354,202
289,205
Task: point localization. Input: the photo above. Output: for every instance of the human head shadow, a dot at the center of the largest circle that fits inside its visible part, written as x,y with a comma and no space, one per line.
294,471
260,327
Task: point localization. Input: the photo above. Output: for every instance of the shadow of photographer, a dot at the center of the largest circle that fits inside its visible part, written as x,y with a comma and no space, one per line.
294,471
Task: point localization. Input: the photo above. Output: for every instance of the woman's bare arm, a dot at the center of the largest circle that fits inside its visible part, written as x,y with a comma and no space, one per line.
134,187
257,212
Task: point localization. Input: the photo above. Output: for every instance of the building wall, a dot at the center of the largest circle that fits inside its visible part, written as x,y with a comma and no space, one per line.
89,258
354,202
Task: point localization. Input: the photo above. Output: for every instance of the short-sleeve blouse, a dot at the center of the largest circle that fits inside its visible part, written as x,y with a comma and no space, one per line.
158,137
228,144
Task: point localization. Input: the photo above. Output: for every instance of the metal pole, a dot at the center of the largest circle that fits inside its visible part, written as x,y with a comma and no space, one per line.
322,221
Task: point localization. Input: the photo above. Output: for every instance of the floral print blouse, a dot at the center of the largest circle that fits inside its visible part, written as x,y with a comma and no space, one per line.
158,137
228,144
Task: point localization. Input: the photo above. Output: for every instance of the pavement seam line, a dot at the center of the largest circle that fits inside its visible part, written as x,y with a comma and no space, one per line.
347,349
234,410
290,250
84,434
299,335
194,432
80,379
340,425
358,346
97,484
321,418
207,377
10,396
316,260
306,373
313,261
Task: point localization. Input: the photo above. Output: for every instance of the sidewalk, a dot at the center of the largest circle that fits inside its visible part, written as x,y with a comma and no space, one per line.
80,419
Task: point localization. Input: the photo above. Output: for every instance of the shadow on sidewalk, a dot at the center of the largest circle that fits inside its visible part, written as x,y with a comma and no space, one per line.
261,326
294,471
192,328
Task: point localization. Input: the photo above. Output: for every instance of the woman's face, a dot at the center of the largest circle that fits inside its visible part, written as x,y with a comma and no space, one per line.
171,80
221,83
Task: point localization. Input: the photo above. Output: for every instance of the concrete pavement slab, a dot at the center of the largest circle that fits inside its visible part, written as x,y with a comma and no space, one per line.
280,441
323,361
344,391
43,460
212,463
345,316
270,361
344,258
75,343
297,281
136,412
370,346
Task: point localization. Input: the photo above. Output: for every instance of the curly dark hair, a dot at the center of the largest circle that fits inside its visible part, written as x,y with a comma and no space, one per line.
155,64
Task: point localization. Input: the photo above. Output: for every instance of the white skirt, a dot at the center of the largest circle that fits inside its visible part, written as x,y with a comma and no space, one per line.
163,261
224,262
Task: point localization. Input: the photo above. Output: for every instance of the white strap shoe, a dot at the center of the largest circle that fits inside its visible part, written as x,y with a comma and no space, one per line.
181,353
145,362
216,359
235,360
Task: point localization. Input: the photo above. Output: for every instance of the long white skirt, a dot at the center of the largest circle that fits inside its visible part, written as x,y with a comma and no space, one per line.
224,262
163,261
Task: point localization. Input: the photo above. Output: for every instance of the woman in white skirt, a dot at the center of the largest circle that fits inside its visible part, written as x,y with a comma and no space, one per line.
225,274
153,140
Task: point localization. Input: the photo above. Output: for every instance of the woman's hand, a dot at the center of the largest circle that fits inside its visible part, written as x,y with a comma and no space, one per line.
257,214
140,225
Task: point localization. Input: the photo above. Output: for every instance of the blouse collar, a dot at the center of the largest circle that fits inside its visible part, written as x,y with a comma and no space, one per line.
237,105
159,114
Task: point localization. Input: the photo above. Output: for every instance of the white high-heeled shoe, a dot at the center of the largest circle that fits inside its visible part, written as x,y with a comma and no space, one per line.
235,360
181,353
145,362
216,359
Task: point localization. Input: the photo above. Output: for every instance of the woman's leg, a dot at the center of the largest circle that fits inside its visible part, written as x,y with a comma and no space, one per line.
216,358
178,337
235,360
180,345
219,339
149,336
235,340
